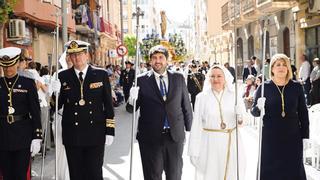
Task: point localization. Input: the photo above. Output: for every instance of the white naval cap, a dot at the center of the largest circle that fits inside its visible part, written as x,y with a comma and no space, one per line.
75,46
9,56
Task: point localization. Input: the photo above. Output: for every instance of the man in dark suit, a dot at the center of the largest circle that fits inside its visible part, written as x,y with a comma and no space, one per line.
87,119
248,70
20,124
127,78
165,114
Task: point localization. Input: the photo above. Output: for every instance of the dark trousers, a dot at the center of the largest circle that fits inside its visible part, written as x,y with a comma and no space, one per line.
85,163
306,89
14,164
162,156
126,92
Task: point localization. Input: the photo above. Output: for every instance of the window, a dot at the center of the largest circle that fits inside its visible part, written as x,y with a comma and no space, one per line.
311,37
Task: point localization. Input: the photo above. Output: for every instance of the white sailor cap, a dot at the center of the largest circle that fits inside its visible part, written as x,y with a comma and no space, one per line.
9,56
158,49
75,46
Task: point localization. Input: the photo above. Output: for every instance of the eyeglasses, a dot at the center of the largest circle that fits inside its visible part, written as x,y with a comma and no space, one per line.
74,55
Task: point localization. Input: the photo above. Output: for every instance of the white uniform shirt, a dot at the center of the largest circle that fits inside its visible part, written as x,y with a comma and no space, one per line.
304,71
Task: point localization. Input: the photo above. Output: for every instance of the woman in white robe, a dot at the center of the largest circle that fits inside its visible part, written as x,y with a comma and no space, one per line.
212,142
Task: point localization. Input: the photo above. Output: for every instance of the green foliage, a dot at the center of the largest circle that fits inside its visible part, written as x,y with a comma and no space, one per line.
6,7
148,42
176,42
130,42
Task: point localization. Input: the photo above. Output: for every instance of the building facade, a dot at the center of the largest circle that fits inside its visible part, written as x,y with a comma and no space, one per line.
289,25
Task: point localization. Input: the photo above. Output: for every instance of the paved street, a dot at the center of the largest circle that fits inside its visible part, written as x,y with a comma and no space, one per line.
117,158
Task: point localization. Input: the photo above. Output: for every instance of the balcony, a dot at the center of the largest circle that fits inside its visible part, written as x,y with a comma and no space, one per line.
249,10
225,10
271,6
236,14
40,13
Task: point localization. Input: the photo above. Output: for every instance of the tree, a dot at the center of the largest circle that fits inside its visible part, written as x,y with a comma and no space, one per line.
130,42
6,7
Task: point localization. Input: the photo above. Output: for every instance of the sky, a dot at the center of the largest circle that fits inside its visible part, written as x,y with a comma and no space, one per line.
176,10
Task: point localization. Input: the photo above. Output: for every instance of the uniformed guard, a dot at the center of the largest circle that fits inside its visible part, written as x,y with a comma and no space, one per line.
20,124
195,83
87,119
127,78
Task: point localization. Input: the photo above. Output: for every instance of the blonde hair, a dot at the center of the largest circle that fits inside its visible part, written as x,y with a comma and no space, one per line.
286,60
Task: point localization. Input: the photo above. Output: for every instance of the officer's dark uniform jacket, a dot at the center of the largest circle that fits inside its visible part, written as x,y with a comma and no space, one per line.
86,125
127,78
18,130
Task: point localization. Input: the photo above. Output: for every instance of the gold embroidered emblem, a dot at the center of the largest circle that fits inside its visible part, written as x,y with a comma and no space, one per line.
95,85
73,45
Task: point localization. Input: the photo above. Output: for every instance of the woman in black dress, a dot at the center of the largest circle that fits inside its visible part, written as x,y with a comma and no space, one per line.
286,123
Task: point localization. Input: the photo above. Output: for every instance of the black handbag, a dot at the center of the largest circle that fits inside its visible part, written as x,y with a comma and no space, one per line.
129,108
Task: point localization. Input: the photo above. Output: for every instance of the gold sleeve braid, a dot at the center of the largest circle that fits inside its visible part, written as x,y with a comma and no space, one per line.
110,123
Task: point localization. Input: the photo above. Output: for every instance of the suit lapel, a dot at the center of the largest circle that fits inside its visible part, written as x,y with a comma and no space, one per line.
170,85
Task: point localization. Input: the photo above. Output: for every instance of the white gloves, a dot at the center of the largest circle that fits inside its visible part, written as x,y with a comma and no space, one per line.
109,140
261,103
239,109
305,143
54,86
194,160
35,146
134,92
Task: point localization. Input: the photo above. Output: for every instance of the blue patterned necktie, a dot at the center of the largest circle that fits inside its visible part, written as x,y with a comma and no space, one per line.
164,93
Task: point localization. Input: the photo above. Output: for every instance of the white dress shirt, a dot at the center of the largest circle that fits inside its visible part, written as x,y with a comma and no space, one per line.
84,71
304,71
165,78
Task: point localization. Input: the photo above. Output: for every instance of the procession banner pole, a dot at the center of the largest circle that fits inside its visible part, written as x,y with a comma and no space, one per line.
137,14
262,95
48,116
57,94
236,88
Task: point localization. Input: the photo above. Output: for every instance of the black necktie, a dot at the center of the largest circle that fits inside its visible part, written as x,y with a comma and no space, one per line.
80,76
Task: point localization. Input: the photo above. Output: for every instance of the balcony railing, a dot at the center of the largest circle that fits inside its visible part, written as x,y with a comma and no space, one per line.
225,13
270,6
247,5
259,2
234,9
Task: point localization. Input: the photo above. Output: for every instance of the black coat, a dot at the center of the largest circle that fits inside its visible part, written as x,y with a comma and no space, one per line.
127,79
246,72
193,87
86,125
18,135
282,148
153,108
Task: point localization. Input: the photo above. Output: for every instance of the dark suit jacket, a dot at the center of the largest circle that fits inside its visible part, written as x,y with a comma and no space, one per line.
86,125
153,108
246,72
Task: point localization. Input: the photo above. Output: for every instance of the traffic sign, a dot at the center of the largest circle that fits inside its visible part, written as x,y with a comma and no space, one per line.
122,50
